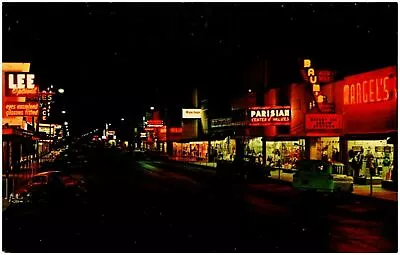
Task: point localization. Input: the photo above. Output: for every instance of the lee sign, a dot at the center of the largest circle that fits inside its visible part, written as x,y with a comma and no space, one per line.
191,113
20,84
269,115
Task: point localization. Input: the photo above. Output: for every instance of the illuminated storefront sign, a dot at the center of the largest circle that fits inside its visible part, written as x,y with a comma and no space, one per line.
143,135
368,101
223,122
368,90
312,76
269,115
191,113
148,129
20,84
155,123
323,121
21,109
175,130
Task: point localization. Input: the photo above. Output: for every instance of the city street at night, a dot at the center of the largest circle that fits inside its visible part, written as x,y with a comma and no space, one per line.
153,206
268,127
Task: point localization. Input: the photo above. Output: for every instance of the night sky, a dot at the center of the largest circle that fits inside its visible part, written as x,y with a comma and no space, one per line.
116,59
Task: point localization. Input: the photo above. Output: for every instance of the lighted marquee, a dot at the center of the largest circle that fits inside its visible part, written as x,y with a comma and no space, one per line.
269,115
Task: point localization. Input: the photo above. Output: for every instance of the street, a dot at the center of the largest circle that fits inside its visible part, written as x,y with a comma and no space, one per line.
154,206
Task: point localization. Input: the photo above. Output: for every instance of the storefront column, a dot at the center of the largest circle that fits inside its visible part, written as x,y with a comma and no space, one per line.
307,149
344,154
239,149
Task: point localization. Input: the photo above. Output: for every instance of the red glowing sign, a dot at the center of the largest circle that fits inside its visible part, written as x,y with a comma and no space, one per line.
21,109
175,130
155,123
368,101
323,121
269,115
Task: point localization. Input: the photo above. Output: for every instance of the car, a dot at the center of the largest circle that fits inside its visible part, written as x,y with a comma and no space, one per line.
243,170
47,185
322,176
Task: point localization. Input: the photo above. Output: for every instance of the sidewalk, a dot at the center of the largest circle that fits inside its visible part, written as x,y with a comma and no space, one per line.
194,162
361,190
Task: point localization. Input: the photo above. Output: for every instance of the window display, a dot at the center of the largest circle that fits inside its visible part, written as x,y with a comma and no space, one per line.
374,157
284,154
223,149
192,150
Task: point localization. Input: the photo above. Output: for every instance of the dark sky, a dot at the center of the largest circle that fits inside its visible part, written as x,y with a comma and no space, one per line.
117,59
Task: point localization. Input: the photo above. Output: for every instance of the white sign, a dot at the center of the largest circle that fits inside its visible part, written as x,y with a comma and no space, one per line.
21,81
191,113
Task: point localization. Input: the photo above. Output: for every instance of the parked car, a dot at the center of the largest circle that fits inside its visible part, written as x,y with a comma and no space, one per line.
243,170
321,176
47,186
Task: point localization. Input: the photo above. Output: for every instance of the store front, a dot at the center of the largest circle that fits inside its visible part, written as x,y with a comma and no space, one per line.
284,154
223,149
191,151
362,152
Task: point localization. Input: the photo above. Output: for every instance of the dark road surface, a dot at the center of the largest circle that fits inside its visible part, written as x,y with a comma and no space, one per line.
153,206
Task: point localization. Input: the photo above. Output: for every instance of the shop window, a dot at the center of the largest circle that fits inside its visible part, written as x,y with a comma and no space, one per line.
371,157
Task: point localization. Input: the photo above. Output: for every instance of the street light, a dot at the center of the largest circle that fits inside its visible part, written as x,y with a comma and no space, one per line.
151,107
66,123
63,112
249,90
61,91
122,119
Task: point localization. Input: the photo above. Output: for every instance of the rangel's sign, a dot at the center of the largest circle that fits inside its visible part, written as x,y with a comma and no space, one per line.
269,115
20,84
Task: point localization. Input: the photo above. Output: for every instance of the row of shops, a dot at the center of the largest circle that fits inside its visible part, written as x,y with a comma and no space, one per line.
352,121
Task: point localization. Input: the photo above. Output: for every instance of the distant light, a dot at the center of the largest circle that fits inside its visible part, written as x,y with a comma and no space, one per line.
152,108
144,118
122,119
249,90
109,124
63,112
66,123
51,86
61,91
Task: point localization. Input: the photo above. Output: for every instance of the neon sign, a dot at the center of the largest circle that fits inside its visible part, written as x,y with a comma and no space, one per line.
21,84
21,109
269,115
367,91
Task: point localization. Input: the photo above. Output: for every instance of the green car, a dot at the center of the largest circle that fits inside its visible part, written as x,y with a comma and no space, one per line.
321,176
